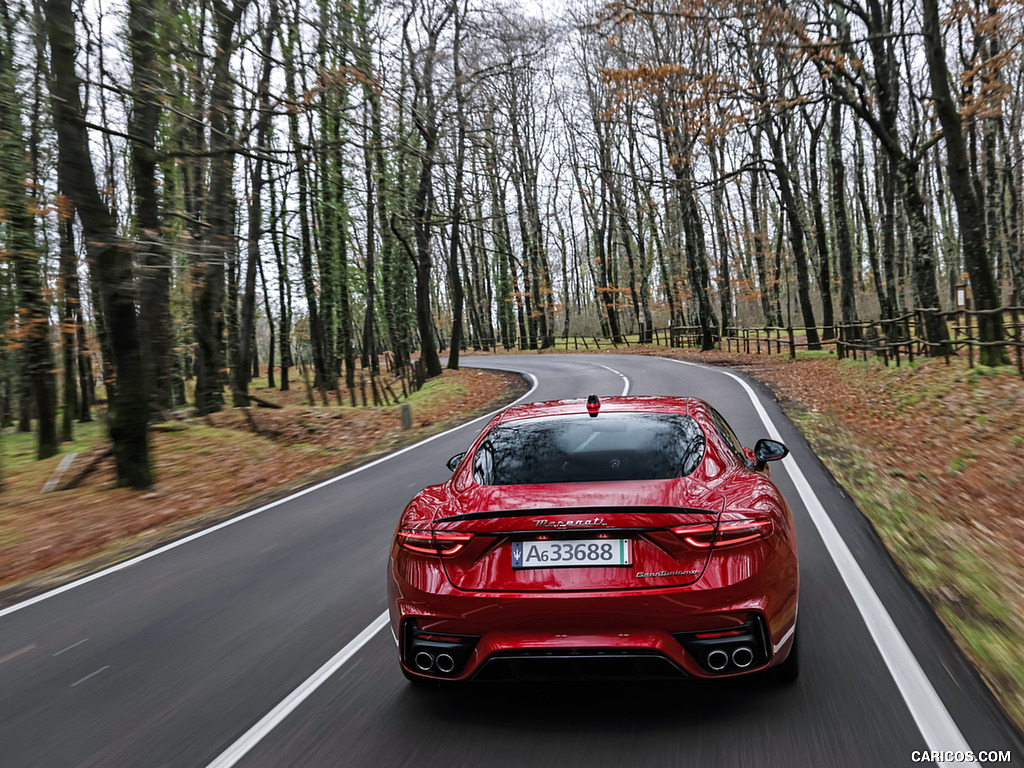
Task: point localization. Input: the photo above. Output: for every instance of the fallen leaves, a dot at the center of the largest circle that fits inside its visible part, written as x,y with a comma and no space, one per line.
208,470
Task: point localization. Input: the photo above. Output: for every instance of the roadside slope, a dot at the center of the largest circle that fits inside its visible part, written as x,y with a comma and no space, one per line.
207,470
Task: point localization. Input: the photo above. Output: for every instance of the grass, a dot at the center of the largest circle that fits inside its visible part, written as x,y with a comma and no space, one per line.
812,354
18,449
435,392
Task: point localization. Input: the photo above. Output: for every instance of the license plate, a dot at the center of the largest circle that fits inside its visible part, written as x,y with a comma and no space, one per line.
574,553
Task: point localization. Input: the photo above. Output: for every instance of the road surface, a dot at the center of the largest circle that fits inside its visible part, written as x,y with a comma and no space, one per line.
262,642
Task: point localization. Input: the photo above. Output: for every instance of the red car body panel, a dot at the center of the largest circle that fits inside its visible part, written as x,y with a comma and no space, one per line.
669,589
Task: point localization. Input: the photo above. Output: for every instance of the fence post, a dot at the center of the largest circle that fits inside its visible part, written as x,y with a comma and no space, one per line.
1016,338
792,343
970,340
919,333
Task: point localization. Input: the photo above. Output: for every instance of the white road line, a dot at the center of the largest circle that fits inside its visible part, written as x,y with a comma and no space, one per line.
937,726
73,645
254,735
91,674
247,515
625,389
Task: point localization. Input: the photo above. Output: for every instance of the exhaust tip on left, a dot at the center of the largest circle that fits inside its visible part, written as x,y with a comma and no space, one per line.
424,661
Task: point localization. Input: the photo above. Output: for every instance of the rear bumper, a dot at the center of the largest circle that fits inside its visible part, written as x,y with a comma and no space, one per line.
583,629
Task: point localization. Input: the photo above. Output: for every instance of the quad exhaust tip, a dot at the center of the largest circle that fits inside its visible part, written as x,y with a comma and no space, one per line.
742,657
445,663
424,661
717,660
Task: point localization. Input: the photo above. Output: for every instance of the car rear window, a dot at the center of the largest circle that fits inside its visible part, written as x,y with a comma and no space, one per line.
579,448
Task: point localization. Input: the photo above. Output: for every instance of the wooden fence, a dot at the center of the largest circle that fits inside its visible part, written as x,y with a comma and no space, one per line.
678,336
893,339
389,387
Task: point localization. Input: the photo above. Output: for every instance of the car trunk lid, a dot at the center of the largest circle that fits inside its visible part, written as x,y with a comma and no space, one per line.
554,538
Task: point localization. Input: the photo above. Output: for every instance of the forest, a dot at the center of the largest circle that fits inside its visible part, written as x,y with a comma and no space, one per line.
197,190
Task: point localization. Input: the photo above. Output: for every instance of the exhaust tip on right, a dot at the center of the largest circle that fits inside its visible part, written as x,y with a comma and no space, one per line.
742,657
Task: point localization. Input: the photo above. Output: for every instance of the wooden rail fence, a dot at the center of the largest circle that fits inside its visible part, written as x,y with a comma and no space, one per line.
892,339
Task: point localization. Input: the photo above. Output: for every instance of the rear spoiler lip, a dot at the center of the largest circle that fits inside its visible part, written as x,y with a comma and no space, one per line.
585,511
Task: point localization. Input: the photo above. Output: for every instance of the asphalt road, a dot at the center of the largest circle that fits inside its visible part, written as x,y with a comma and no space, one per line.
261,643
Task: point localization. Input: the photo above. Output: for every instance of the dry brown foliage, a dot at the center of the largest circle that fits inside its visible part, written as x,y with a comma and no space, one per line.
208,470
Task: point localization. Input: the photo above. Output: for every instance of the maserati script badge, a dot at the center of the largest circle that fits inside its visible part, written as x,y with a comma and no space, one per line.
569,523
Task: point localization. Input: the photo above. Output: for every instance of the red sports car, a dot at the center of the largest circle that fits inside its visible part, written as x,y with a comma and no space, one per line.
630,537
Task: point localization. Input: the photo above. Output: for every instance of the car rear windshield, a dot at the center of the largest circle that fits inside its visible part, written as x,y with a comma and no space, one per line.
583,449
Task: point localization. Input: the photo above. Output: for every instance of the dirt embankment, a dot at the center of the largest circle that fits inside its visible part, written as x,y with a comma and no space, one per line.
207,469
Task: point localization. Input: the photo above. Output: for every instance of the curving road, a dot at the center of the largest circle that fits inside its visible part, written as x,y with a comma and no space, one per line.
262,642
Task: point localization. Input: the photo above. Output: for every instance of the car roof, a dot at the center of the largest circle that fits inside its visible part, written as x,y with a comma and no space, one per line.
627,404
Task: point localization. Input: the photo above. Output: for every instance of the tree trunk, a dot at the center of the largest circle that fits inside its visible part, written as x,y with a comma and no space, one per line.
454,279
33,328
847,295
716,156
760,235
316,336
970,213
68,266
208,301
794,216
129,413
869,229
247,321
821,241
425,116
151,252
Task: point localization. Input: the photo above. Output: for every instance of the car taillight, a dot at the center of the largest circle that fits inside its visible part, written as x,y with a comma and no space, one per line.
701,535
742,531
728,532
431,543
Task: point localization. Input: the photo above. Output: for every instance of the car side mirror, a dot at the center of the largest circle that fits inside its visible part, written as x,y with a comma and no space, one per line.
768,450
453,462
